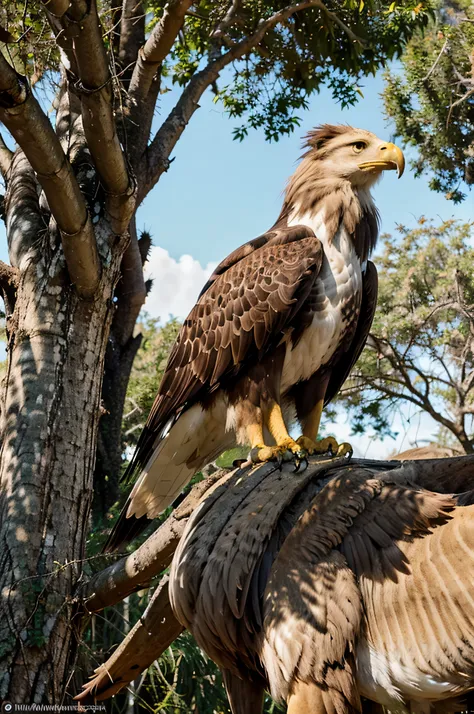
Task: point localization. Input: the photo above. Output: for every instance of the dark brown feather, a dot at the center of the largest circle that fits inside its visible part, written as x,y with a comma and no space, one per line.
245,695
399,514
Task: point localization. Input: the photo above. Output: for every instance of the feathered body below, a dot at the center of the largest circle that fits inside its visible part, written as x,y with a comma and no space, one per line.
275,330
331,586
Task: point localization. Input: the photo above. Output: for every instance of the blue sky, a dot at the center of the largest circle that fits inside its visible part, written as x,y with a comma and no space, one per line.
220,193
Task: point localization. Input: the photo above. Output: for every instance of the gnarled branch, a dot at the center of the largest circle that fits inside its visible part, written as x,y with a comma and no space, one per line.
97,115
9,278
227,20
6,157
30,127
146,641
136,571
132,34
130,291
23,217
156,48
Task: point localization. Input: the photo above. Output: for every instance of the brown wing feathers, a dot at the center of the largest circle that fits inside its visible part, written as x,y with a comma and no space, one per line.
251,298
240,315
253,295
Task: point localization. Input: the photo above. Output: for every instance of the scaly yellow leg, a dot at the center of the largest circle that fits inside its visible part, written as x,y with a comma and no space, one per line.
255,435
311,427
310,433
286,448
276,424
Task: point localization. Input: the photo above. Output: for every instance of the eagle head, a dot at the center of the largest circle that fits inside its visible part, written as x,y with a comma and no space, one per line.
344,153
333,181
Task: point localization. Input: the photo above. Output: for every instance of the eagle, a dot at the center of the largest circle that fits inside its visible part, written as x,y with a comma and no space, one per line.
275,330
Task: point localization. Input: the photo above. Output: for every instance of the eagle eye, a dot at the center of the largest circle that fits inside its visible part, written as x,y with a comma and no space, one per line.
358,146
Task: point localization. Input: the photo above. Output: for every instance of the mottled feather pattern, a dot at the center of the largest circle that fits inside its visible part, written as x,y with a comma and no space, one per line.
311,626
352,347
218,573
240,311
299,616
399,514
421,625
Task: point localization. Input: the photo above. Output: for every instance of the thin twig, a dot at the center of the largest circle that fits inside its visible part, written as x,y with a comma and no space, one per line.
433,67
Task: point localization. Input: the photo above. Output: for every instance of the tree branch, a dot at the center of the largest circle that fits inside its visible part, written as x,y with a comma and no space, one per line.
156,160
227,20
420,399
383,389
69,120
23,217
130,291
55,11
433,311
9,278
414,397
56,7
398,364
135,571
6,157
156,48
468,382
23,117
156,629
97,115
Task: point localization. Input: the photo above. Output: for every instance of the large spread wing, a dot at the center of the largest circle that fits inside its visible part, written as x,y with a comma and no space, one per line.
241,313
353,350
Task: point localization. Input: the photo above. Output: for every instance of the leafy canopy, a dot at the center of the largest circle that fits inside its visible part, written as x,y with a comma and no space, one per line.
335,45
432,100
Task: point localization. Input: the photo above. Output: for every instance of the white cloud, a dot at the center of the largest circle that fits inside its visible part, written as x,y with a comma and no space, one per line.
176,283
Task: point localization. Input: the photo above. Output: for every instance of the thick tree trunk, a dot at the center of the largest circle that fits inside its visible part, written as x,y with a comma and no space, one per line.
118,366
52,391
122,347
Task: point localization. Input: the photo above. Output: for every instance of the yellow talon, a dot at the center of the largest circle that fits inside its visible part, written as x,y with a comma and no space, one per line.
345,449
285,451
328,444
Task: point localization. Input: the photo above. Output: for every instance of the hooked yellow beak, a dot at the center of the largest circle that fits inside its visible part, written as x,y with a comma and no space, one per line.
389,157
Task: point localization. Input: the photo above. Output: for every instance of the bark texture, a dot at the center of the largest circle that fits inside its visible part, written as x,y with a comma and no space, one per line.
50,420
